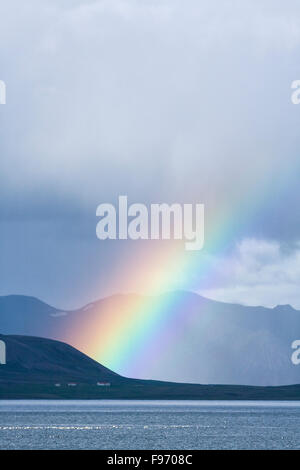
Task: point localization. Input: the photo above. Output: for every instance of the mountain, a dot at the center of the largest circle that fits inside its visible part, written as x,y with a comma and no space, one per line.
41,368
24,315
204,341
45,361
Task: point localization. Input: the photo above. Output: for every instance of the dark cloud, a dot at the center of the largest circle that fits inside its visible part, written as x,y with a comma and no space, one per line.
157,100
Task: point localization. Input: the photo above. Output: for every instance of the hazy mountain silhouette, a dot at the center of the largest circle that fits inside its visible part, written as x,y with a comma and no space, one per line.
211,342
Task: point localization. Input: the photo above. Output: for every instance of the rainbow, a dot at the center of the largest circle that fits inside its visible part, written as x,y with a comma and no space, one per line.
134,331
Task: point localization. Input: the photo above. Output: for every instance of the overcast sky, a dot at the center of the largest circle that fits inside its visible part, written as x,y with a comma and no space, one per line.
164,101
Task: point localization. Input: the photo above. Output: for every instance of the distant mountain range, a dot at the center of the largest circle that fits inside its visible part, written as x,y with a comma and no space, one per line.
41,368
215,342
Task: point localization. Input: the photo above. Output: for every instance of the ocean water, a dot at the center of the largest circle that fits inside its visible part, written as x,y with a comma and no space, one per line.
110,424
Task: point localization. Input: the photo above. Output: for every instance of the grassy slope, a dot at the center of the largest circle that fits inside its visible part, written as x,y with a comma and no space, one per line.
151,390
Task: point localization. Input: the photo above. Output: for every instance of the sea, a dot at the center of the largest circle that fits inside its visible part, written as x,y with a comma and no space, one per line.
165,425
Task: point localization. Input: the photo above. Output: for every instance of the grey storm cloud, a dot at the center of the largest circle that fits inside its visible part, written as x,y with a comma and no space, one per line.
160,100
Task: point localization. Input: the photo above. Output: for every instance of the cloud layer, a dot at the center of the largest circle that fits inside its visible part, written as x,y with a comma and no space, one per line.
160,100
259,272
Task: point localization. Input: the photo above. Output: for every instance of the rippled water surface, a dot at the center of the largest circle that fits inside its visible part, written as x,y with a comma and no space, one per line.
149,425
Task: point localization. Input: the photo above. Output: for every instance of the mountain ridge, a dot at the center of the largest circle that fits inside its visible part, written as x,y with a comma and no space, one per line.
39,368
42,360
215,342
133,294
